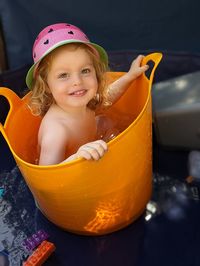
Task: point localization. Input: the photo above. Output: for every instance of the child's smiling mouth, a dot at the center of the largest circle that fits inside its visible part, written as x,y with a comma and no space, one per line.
78,92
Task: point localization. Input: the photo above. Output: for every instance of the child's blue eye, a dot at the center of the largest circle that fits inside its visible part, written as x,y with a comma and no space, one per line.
63,75
86,71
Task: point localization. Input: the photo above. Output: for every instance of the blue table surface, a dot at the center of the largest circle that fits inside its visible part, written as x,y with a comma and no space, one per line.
167,234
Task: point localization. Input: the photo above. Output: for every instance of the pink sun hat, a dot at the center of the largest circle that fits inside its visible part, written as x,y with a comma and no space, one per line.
57,35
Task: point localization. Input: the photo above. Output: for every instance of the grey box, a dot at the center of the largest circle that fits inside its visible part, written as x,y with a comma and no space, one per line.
176,111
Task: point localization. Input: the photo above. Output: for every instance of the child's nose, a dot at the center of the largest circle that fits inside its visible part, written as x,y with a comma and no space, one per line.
76,79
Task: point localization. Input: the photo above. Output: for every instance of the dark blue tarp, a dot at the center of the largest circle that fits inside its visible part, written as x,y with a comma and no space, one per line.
116,25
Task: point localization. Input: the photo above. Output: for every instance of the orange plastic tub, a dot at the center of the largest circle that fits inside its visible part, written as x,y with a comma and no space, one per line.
89,197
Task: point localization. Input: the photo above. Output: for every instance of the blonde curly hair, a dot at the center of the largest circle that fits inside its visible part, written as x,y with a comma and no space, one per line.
41,98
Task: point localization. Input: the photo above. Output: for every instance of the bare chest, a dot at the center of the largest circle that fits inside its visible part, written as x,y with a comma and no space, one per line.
81,132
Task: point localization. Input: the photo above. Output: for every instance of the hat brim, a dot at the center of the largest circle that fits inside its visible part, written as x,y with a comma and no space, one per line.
102,53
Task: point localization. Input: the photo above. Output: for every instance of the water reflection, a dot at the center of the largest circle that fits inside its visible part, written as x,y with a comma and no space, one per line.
107,213
171,197
111,125
106,128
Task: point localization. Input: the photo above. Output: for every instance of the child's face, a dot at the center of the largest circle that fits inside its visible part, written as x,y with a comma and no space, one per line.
72,78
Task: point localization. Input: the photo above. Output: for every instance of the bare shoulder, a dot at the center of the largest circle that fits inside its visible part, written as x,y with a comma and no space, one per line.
53,131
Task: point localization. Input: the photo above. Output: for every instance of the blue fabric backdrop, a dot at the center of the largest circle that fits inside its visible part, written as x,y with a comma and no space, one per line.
117,25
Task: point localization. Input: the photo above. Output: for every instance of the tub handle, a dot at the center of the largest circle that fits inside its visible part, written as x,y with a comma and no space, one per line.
156,58
13,100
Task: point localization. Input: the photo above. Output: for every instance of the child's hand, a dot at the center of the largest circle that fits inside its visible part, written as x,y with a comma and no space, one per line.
92,150
136,69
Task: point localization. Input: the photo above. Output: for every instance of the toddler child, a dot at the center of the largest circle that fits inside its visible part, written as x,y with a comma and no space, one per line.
67,83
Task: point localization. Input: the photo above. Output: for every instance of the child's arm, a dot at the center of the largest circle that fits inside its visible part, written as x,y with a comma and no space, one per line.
117,88
53,145
53,142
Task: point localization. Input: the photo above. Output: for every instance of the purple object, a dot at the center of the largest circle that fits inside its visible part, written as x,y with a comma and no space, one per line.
32,242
